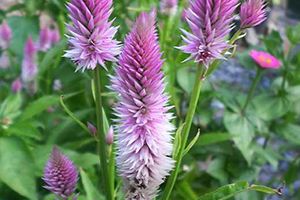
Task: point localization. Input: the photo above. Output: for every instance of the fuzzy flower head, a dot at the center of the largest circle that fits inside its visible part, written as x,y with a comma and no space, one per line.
144,132
210,22
29,65
252,13
5,35
16,85
265,60
60,175
168,7
91,35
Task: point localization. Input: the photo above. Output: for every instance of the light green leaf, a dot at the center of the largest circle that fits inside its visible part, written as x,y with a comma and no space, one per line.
191,144
216,170
38,106
24,128
16,168
213,138
177,141
186,191
91,191
10,106
290,132
242,132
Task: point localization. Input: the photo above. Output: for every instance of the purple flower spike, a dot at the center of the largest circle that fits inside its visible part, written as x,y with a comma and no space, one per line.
60,175
29,66
5,35
144,142
91,35
16,85
168,7
252,13
45,39
210,22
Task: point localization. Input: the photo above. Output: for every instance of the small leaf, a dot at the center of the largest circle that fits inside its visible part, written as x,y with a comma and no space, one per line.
24,128
91,192
264,189
191,144
39,106
213,138
177,141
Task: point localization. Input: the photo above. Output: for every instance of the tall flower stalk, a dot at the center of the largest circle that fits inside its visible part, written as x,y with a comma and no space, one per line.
210,21
91,45
144,145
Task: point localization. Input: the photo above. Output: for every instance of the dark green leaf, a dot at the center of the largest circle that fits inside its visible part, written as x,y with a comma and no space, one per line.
91,192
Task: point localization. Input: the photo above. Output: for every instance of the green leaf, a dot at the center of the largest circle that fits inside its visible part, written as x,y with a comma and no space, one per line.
192,143
216,169
268,155
10,106
186,78
269,107
38,106
242,131
24,128
292,33
177,141
16,168
290,132
22,27
226,192
186,191
91,192
231,190
213,138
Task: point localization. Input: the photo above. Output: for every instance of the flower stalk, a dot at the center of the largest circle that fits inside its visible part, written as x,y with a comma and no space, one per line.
101,136
256,80
185,132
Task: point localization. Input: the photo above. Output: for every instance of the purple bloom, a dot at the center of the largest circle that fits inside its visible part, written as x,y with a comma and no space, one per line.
29,66
210,22
54,36
92,35
92,128
60,175
168,7
16,86
47,38
5,35
252,13
144,131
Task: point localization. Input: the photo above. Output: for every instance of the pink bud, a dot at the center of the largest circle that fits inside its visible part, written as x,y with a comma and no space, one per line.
45,39
110,136
92,128
5,35
16,86
55,37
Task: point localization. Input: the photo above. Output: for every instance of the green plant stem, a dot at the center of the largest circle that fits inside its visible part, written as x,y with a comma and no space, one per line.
185,132
101,136
256,80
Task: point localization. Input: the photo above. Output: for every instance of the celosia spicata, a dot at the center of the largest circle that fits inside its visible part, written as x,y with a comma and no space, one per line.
60,175
144,142
47,38
265,60
16,85
210,22
168,7
252,13
5,35
29,65
91,35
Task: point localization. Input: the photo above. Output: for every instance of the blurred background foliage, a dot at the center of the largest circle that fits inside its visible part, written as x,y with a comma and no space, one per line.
261,146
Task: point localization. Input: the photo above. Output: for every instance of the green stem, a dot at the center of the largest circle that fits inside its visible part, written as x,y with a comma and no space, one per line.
253,87
101,136
185,132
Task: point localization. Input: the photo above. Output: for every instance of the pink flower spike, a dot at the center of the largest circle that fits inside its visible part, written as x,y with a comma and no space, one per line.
54,36
91,34
45,39
168,7
210,21
144,142
29,65
252,13
16,86
265,60
5,35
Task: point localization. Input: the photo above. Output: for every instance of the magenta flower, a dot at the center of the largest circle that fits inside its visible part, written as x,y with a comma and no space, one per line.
5,35
144,131
92,35
29,66
265,60
45,39
60,175
210,22
252,13
54,36
16,85
168,7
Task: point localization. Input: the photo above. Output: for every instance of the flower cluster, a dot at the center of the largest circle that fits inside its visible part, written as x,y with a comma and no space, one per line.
144,130
91,35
